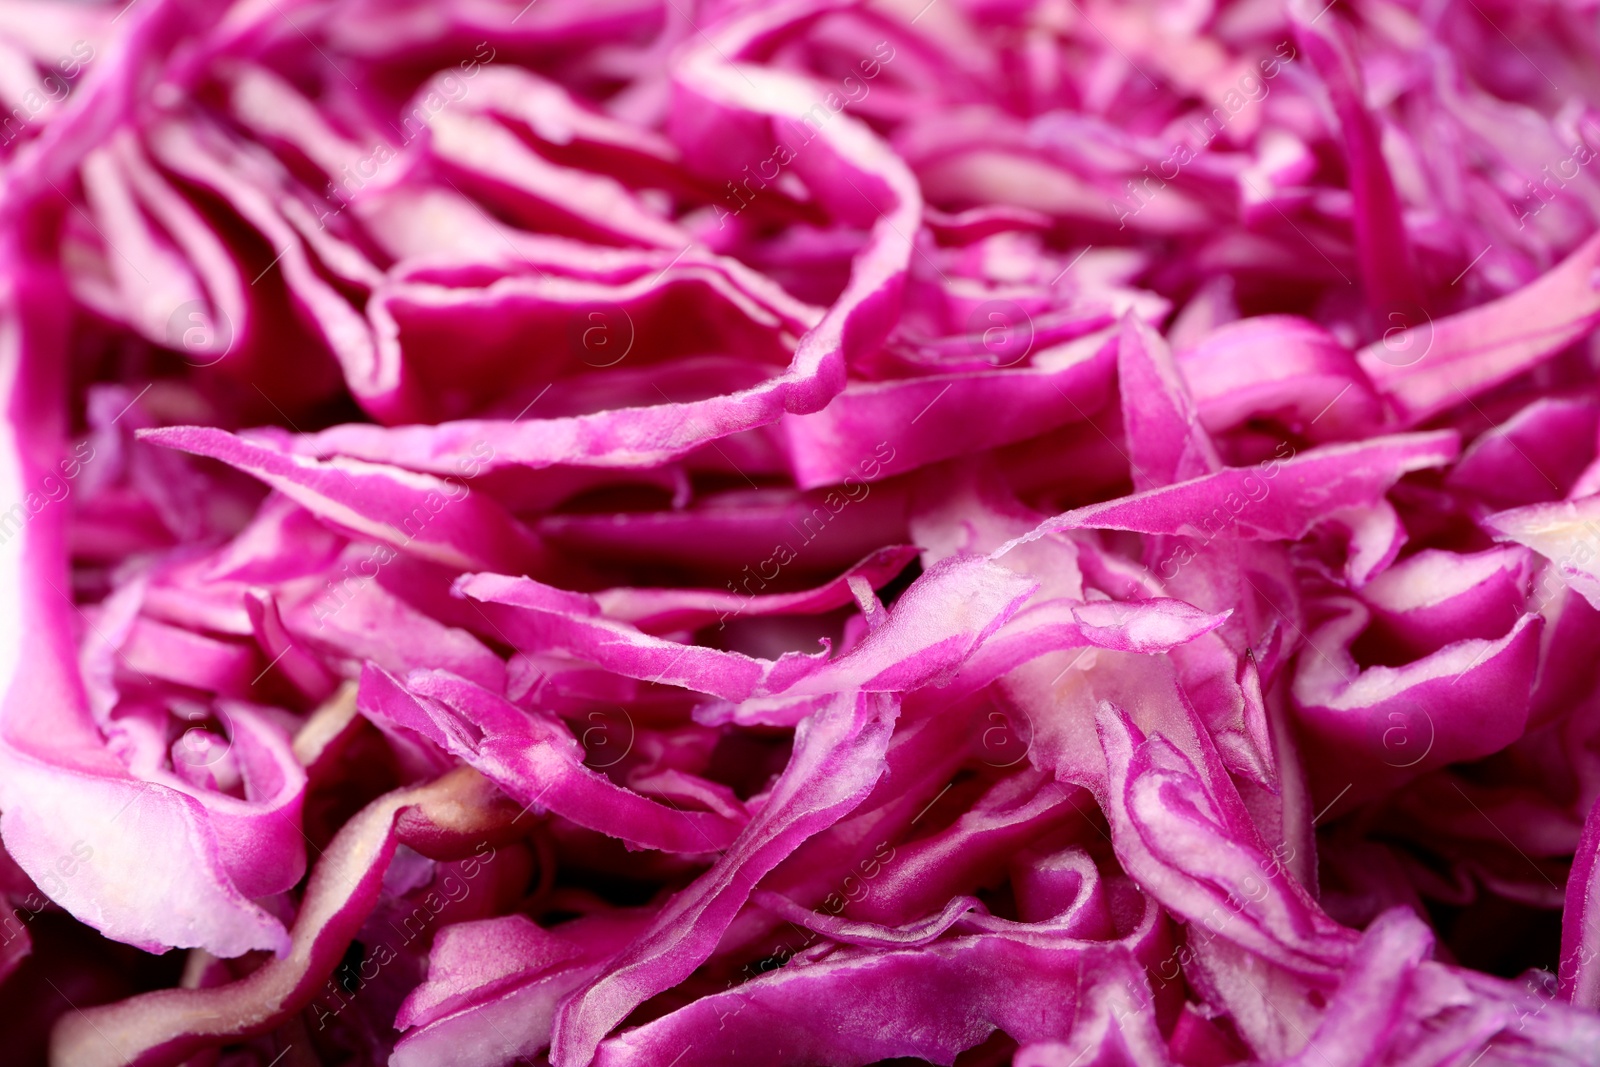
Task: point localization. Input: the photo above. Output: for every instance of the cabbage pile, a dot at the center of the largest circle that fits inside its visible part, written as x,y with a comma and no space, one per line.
800,532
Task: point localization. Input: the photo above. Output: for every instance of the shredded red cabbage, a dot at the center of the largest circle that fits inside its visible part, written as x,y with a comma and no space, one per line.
800,532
